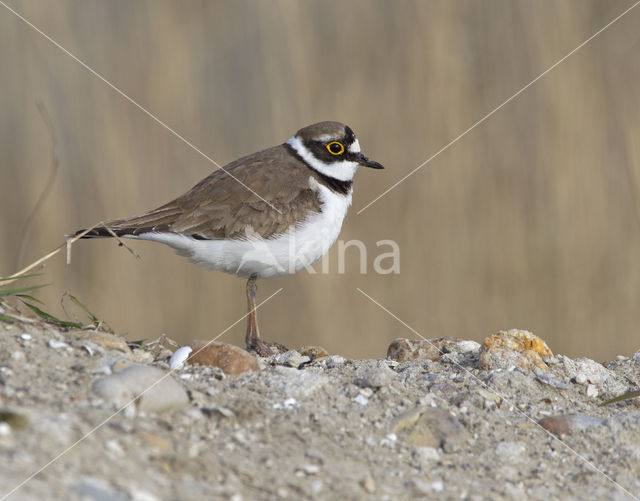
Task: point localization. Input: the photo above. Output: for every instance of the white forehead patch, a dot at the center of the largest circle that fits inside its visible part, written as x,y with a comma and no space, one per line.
342,171
355,147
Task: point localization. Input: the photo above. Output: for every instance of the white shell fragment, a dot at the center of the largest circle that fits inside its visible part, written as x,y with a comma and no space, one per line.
55,344
179,357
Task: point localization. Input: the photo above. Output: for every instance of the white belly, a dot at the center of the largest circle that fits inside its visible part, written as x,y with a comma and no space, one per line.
284,254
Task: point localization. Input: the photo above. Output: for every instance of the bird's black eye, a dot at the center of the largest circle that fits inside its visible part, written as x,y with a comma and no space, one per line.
335,148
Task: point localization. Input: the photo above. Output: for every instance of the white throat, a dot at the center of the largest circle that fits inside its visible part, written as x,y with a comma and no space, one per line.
342,171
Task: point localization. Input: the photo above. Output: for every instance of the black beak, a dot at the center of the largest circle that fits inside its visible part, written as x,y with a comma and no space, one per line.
362,160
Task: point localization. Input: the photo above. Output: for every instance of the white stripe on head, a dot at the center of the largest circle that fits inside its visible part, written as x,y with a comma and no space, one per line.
343,170
355,147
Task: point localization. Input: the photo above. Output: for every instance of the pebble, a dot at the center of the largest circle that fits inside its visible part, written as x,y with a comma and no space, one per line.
110,342
592,371
419,486
406,350
26,337
141,495
55,344
179,357
361,399
373,375
438,428
550,380
334,361
307,469
425,455
581,378
289,403
161,391
511,348
592,391
141,356
405,420
90,347
230,358
391,437
290,358
491,398
566,424
5,429
368,484
298,384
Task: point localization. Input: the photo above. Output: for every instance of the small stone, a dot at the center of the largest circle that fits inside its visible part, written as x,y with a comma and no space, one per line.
114,446
55,344
366,392
545,378
334,361
159,391
373,375
290,358
142,495
592,391
581,378
231,359
565,424
179,357
513,348
437,486
368,484
593,371
491,398
425,455
405,420
361,399
307,469
289,403
421,487
110,342
25,336
438,428
5,429
406,350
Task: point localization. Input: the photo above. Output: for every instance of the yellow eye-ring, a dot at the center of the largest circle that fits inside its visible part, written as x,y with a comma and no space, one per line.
335,148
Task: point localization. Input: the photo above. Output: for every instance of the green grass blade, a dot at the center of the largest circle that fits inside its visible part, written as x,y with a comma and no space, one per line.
50,318
30,298
94,319
20,277
8,319
19,290
621,398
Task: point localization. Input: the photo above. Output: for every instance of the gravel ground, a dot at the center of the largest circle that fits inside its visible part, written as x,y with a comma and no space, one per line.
330,429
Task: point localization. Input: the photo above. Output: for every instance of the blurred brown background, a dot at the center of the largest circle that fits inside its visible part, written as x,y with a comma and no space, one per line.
532,220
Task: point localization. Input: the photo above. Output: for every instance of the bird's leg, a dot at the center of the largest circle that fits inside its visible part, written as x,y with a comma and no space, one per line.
253,340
